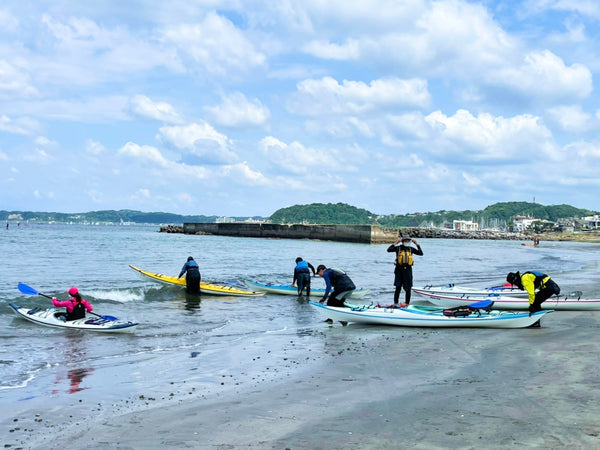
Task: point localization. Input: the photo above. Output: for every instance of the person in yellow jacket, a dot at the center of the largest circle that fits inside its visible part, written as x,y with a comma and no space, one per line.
403,276
531,281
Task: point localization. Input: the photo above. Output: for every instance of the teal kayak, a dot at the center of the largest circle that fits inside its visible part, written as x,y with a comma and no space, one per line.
288,289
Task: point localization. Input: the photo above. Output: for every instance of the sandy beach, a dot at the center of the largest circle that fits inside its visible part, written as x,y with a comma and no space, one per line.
400,388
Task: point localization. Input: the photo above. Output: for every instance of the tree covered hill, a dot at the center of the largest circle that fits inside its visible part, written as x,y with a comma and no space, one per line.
498,214
106,216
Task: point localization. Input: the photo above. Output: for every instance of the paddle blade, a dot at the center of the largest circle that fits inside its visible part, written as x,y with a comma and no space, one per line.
27,289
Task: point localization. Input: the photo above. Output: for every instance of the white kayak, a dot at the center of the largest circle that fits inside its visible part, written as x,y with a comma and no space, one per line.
54,318
560,303
288,289
457,291
427,316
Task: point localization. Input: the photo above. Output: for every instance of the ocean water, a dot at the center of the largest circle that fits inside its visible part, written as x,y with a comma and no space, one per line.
190,346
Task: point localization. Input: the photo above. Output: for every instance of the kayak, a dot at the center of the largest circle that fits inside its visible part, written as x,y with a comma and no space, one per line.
205,288
570,302
428,316
288,289
457,291
53,318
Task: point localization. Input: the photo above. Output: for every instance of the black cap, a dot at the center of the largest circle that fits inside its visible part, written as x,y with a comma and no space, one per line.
321,267
298,259
511,277
190,258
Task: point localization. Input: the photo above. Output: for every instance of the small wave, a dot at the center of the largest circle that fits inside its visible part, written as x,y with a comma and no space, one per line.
117,295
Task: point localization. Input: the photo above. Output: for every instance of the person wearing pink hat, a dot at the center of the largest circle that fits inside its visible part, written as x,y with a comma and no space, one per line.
76,305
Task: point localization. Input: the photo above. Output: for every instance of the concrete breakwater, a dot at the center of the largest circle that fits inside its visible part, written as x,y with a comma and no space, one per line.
370,234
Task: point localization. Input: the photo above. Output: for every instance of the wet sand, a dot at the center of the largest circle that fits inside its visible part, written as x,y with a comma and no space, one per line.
407,388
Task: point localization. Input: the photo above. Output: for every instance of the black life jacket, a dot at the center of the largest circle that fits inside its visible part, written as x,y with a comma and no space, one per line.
78,312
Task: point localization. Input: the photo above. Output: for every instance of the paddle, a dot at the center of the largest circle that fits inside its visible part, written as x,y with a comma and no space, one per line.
31,291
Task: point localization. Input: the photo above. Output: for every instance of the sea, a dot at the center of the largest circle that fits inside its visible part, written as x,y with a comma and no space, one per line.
190,346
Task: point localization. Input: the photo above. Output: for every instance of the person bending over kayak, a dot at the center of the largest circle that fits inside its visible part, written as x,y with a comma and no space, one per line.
192,276
530,281
302,275
76,305
403,276
341,283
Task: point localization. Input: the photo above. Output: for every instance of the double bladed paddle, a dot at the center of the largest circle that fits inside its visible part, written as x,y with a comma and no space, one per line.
31,291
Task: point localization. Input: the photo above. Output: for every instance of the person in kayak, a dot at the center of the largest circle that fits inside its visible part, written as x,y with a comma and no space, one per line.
403,276
531,281
192,276
341,283
302,275
76,305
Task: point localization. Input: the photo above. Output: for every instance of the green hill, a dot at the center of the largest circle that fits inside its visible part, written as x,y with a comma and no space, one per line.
498,214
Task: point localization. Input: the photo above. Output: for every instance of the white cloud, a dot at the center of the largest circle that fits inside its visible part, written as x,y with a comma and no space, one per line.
485,138
161,111
8,22
94,148
216,45
241,173
15,82
38,155
293,157
21,125
85,53
545,76
572,118
152,158
200,140
327,50
235,110
327,96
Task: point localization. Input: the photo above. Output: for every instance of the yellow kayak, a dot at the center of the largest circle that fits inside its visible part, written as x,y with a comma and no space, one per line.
205,288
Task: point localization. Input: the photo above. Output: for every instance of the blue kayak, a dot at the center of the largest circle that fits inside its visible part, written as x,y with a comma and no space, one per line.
288,289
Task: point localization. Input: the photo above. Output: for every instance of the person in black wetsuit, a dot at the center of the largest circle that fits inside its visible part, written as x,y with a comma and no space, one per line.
302,275
192,276
341,283
403,276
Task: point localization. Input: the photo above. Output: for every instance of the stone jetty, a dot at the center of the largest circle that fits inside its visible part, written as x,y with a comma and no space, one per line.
370,234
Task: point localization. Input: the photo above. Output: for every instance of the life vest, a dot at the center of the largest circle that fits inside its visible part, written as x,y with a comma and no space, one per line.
77,313
405,257
302,267
540,279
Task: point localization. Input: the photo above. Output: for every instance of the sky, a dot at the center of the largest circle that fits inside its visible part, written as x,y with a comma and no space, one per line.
239,108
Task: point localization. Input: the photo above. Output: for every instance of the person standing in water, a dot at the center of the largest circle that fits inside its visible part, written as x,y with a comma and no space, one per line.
192,276
302,275
403,276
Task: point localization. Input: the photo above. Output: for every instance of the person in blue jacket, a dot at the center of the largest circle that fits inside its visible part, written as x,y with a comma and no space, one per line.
192,276
341,283
302,275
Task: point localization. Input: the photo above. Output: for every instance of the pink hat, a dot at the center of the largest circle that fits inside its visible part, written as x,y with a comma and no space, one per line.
73,291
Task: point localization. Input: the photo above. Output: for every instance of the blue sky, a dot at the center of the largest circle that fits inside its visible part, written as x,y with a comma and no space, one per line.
240,108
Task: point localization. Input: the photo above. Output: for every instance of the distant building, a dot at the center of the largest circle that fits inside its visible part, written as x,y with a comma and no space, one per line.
224,220
522,223
592,221
465,225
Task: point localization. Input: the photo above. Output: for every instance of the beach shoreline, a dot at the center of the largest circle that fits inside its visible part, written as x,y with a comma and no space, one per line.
400,388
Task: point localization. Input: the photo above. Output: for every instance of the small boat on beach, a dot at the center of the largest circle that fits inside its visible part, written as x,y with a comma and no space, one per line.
427,316
569,302
288,289
53,318
458,291
205,288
